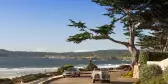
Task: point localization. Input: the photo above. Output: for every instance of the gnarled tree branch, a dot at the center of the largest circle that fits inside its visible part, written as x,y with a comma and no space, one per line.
119,42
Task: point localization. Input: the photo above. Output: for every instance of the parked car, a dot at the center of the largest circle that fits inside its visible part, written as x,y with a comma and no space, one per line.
71,72
100,75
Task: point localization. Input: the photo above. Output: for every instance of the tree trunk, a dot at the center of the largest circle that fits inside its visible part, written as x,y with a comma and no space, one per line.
166,46
135,55
130,44
131,47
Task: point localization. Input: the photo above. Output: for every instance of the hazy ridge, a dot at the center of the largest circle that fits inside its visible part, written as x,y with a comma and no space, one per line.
99,53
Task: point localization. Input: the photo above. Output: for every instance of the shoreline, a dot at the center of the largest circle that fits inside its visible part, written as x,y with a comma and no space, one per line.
17,72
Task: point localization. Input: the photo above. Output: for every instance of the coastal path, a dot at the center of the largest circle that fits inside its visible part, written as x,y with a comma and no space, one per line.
86,79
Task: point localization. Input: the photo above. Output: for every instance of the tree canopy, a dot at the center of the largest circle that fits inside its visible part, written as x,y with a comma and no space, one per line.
157,40
135,15
149,12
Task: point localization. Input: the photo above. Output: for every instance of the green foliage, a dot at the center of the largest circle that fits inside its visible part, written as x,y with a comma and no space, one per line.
78,38
152,56
149,71
157,56
82,69
123,67
79,25
6,81
128,74
134,15
157,40
91,66
31,77
156,80
143,58
61,69
66,66
165,75
137,82
153,80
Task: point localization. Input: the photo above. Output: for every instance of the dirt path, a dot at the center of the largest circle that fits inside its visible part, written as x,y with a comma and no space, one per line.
85,79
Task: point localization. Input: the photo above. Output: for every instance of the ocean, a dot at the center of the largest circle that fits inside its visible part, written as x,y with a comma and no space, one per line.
18,66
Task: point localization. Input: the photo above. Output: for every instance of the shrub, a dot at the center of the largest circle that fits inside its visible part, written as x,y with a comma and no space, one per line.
137,82
156,80
153,56
165,75
66,66
61,69
81,69
124,67
157,56
147,72
28,78
128,74
153,80
91,66
6,81
143,58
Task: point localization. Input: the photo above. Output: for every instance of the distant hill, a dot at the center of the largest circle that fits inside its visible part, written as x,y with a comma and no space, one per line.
99,53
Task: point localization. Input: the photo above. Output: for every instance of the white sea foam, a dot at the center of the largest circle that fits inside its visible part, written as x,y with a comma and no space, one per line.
16,72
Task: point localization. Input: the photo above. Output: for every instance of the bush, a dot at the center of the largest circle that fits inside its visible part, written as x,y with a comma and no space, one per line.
137,82
28,78
147,72
153,80
153,56
124,67
143,58
157,56
165,75
81,69
156,80
61,69
128,74
91,66
66,66
6,81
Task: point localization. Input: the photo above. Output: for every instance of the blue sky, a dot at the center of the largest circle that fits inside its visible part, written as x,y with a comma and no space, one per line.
41,25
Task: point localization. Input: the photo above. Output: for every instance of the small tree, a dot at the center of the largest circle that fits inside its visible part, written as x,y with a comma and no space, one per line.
135,15
91,66
143,58
61,69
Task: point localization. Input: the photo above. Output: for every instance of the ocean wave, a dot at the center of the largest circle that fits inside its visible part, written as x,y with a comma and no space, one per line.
16,72
26,68
110,65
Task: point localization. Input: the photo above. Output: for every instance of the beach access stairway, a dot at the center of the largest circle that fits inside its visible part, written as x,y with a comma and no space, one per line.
163,64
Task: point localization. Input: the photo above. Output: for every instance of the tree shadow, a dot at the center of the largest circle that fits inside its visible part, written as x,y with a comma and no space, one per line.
113,82
118,82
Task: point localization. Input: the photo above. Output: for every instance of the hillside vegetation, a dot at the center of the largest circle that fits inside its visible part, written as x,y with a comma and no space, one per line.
111,54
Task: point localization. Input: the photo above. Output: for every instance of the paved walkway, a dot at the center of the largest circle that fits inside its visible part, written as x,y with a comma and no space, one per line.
41,80
35,81
85,79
